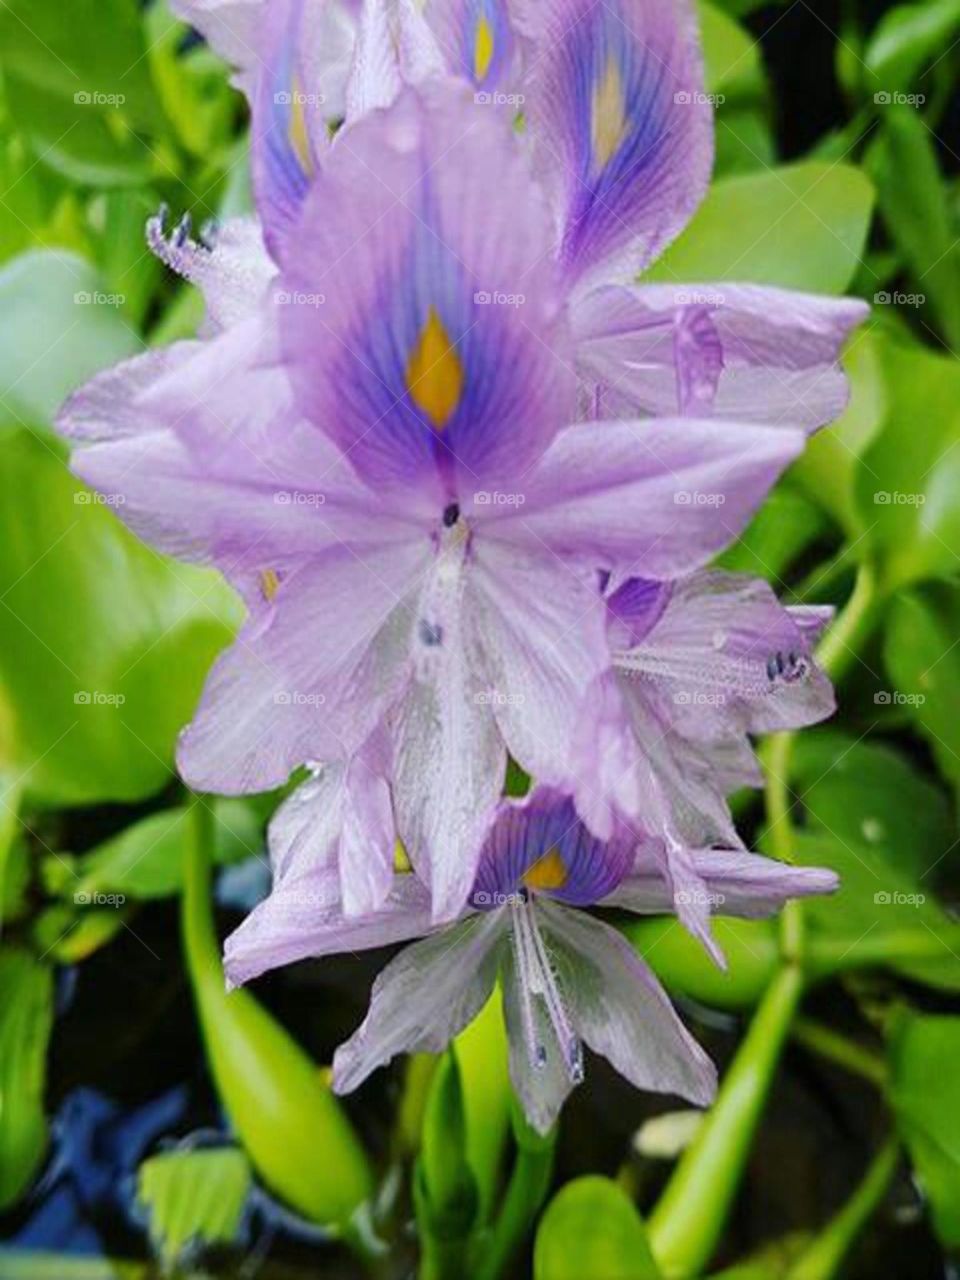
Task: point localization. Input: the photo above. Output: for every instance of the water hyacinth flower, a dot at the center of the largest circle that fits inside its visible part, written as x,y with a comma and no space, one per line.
698,665
568,979
341,453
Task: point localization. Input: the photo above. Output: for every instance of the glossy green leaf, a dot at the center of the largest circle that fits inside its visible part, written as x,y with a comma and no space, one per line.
447,1199
784,527
800,226
482,1054
923,661
732,63
828,469
146,859
26,1016
193,1198
104,645
58,326
282,1109
906,37
868,794
913,200
591,1228
882,914
683,966
65,49
909,476
925,1094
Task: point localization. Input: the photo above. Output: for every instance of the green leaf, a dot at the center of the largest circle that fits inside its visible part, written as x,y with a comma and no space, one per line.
881,911
732,64
905,38
913,200
447,1199
104,645
868,794
683,966
591,1228
783,528
800,226
828,469
86,48
145,861
193,1197
58,326
909,476
482,1054
26,1016
925,1095
923,660
32,1264
282,1109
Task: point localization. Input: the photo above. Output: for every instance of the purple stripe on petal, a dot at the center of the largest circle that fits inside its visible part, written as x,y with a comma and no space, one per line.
635,609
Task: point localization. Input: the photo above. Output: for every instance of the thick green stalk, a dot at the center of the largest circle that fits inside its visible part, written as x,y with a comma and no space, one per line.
824,1258
526,1192
689,1220
840,1049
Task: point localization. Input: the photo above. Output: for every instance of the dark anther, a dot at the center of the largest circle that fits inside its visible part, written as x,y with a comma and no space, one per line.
431,634
451,515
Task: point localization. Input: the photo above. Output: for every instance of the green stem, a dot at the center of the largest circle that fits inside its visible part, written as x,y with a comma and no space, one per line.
526,1192
824,1258
840,1049
689,1220
828,956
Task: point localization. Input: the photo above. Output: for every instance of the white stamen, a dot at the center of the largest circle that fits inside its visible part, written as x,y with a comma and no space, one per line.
536,977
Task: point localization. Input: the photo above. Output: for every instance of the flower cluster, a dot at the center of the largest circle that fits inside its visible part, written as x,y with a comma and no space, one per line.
467,475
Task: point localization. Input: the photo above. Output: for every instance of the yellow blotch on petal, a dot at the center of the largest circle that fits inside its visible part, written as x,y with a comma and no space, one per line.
401,859
483,49
547,872
609,118
269,584
435,373
297,129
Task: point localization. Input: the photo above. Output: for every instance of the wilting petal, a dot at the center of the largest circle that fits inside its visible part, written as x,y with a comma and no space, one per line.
539,625
726,657
654,499
732,882
302,920
620,123
478,39
449,765
310,685
620,1009
741,352
411,235
423,998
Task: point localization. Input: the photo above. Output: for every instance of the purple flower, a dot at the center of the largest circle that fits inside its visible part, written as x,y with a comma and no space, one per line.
380,462
568,979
